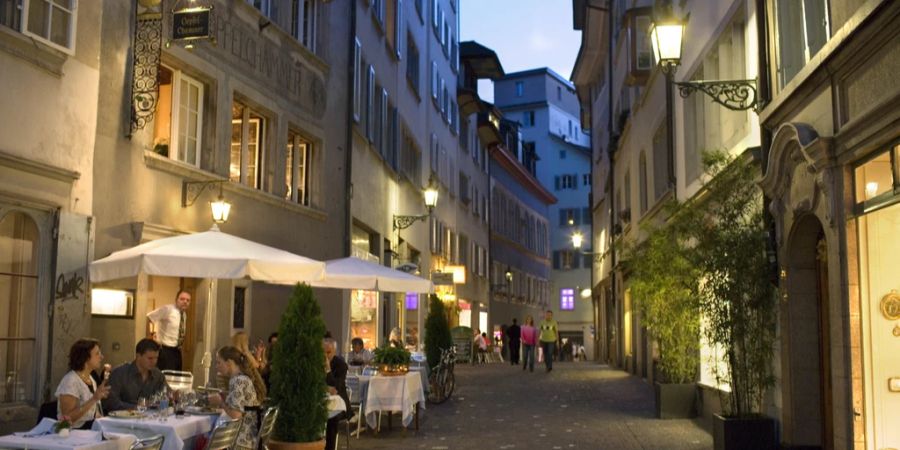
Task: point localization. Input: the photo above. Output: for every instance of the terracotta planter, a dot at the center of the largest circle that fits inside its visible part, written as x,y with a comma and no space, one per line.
675,401
392,370
278,445
745,433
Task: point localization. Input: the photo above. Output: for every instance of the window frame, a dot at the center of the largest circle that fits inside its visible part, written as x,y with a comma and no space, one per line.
73,14
174,129
300,173
263,122
567,298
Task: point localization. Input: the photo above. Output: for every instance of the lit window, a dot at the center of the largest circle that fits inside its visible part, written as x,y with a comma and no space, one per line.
248,142
297,169
567,299
178,127
877,180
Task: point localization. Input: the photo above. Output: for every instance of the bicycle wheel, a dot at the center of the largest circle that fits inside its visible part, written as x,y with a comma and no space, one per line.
434,387
449,385
443,389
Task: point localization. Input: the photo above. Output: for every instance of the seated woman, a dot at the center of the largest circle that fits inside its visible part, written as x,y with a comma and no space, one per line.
78,395
242,394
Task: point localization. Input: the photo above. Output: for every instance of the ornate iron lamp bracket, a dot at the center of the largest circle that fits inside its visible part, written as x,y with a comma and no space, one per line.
191,190
404,222
736,95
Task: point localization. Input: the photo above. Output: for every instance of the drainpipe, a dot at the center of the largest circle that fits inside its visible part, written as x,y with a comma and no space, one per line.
764,95
612,171
348,158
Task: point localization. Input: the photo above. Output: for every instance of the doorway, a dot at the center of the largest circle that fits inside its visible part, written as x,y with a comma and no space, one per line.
807,359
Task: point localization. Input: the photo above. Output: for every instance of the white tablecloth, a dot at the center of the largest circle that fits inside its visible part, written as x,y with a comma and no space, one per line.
397,393
175,430
77,440
336,405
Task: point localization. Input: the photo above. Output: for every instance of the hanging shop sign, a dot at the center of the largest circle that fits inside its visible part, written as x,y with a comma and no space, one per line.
442,278
191,23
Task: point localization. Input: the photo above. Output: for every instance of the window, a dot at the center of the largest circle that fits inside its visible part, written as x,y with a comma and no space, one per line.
877,180
419,6
586,179
303,22
393,26
264,6
569,216
445,99
562,154
19,309
661,161
378,10
52,22
370,104
528,118
565,260
178,128
520,88
567,299
248,143
411,158
464,190
435,81
412,62
802,28
565,182
559,92
357,79
626,205
297,160
642,182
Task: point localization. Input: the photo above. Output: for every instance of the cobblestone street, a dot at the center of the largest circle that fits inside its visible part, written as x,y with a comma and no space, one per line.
577,405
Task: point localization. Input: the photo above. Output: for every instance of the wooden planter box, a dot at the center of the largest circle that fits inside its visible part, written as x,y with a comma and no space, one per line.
745,433
676,401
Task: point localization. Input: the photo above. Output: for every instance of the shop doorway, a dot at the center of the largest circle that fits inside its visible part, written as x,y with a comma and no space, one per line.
808,411
879,258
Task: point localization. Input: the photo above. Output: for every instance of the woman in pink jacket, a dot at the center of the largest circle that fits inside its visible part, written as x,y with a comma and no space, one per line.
529,340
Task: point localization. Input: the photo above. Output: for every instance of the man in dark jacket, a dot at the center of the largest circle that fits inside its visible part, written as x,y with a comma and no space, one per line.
336,380
140,378
514,333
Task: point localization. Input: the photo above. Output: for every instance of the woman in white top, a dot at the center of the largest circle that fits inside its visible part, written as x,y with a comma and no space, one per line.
78,395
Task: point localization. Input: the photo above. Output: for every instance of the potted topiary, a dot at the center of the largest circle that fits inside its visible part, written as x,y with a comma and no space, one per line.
437,331
664,286
298,375
736,298
391,360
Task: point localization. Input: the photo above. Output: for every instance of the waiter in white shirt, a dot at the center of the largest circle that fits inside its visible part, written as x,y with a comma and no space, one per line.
170,323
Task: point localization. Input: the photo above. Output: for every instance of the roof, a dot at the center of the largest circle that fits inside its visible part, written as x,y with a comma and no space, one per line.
540,71
482,60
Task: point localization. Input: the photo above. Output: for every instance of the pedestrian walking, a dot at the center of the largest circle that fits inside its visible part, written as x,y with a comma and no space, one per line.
513,334
549,338
170,323
529,340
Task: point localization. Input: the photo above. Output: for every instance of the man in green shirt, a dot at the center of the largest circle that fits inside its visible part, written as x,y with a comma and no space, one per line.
549,338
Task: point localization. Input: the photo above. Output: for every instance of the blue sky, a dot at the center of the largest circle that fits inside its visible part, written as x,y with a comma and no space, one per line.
526,34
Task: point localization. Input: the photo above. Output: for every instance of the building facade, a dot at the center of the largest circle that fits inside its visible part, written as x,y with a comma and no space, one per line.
46,195
255,114
557,152
831,134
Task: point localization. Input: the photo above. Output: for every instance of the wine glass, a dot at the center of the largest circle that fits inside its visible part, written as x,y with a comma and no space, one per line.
142,406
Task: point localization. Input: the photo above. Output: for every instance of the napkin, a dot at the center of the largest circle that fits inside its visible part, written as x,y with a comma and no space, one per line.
44,427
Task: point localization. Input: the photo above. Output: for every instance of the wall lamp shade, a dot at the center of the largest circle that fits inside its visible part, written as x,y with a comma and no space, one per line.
509,275
666,39
431,197
220,209
577,240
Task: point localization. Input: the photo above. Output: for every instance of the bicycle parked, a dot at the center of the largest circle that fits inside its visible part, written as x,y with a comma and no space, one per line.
441,381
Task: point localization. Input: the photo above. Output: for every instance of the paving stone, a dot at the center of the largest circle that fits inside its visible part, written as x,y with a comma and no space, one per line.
578,405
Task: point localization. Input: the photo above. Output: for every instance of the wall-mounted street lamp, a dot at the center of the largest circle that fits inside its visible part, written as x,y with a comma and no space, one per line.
191,190
667,41
578,242
431,198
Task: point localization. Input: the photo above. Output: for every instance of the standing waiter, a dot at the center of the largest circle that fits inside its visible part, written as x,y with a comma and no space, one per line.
170,322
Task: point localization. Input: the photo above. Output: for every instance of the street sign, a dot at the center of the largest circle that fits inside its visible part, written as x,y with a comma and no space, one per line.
190,24
442,278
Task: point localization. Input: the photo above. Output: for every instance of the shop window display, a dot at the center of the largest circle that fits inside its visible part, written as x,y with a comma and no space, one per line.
364,317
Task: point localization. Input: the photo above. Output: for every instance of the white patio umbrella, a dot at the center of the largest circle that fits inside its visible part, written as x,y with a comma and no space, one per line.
355,273
210,254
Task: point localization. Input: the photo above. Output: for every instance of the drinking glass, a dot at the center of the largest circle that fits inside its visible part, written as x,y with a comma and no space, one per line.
142,406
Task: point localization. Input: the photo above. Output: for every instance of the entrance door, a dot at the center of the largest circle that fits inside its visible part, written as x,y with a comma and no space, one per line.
879,254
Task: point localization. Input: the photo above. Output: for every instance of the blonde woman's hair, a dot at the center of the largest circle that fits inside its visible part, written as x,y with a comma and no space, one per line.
529,320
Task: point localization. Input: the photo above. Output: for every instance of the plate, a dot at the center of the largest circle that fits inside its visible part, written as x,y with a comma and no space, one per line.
126,414
199,411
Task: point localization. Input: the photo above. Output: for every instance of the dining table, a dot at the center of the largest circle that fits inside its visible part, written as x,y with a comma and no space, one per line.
403,393
76,440
179,431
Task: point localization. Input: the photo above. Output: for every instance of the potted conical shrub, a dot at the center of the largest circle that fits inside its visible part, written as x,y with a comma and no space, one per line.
298,375
437,331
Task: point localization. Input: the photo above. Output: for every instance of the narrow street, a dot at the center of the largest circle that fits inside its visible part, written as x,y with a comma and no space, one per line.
577,405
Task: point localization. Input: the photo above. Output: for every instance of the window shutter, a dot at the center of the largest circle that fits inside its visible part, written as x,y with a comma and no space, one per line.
556,259
586,216
556,182
576,216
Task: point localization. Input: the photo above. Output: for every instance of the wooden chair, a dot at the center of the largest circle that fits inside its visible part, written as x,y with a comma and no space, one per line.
150,443
223,435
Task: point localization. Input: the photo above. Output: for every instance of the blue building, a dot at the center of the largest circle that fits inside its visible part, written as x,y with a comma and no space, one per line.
557,152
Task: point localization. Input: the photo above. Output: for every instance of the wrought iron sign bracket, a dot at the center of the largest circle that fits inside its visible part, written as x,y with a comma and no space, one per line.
191,190
736,95
404,222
